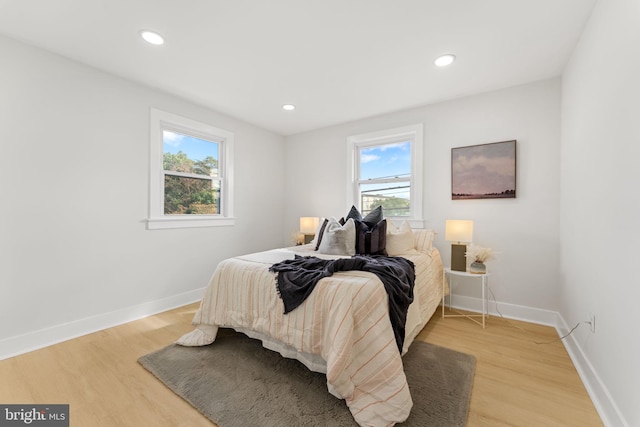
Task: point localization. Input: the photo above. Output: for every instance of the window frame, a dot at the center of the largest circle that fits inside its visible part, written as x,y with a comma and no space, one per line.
162,120
412,133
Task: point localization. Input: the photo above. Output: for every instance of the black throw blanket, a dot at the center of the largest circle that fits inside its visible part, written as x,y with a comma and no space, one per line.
297,278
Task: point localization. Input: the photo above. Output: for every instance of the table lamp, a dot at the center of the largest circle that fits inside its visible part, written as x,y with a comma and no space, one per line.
460,232
308,227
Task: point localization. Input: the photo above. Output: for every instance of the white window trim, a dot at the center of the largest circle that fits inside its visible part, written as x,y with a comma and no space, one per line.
414,133
160,120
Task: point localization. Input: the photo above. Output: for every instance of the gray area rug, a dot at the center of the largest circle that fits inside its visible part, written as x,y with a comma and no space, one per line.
237,382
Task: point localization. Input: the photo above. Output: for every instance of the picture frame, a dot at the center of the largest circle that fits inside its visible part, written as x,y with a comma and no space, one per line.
485,171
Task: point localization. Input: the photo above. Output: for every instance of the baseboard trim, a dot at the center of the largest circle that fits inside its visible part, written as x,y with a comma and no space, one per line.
598,391
605,405
511,311
35,340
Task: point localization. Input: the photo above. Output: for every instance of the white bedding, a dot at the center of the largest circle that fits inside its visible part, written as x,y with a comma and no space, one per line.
342,329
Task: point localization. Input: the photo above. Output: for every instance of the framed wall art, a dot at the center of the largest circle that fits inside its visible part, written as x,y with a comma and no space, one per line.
486,171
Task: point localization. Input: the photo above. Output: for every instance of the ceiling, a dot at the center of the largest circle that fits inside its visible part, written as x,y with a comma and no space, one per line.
336,60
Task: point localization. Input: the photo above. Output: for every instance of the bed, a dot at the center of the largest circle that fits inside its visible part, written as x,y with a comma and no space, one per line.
342,329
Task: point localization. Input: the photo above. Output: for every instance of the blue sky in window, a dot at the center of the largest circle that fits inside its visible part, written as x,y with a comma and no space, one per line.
194,148
389,160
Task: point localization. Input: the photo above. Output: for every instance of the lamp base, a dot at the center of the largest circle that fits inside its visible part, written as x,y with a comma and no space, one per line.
458,260
308,238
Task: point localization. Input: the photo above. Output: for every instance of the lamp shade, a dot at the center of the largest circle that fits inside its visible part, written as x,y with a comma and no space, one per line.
458,230
308,224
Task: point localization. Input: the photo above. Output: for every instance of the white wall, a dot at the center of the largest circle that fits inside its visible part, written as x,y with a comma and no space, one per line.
523,230
74,197
601,203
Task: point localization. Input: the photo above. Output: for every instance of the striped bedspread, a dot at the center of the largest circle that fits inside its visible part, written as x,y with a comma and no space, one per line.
345,321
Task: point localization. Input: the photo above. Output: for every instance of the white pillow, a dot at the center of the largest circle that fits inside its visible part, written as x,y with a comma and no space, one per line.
314,241
399,239
424,239
338,239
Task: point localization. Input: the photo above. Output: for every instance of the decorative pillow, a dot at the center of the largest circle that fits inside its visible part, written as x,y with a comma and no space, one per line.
423,239
354,213
371,240
338,239
400,240
372,218
319,232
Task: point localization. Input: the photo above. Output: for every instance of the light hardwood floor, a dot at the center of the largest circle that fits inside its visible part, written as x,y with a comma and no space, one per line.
517,382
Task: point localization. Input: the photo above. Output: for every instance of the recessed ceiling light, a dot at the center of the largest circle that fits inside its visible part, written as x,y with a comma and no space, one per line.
288,107
152,37
444,60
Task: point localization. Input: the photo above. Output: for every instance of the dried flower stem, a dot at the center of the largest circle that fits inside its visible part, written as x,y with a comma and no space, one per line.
479,254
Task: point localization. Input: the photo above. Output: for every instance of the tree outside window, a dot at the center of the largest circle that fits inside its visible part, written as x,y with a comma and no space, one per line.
191,177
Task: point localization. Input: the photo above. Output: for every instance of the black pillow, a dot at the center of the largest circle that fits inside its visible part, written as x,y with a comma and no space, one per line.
372,218
371,240
355,214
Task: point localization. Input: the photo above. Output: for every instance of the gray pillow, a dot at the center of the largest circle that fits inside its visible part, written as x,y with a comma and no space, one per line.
338,239
372,218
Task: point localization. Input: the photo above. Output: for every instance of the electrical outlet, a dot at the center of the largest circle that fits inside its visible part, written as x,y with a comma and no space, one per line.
592,322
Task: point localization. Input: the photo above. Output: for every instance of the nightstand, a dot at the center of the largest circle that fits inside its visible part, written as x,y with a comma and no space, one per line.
447,275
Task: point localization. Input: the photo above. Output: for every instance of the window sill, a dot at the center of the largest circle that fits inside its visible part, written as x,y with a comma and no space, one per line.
414,223
185,221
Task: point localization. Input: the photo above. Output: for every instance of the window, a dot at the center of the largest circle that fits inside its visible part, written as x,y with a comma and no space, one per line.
190,173
386,170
